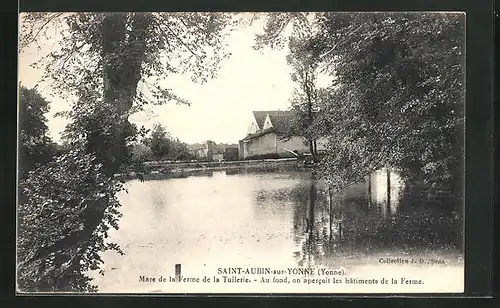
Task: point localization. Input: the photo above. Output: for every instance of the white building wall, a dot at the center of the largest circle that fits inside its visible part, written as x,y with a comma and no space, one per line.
265,144
270,143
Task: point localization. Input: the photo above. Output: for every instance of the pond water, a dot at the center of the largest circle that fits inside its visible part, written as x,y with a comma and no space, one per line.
276,220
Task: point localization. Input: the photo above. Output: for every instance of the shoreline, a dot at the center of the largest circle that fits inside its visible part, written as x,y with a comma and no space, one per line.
164,170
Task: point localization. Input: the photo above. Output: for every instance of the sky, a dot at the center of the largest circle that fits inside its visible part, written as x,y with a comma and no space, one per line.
220,109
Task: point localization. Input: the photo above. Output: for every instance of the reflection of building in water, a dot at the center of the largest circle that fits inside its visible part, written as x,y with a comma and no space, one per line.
385,186
374,189
337,222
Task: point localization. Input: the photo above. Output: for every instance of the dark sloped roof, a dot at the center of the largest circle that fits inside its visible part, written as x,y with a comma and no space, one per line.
259,133
277,116
260,117
281,122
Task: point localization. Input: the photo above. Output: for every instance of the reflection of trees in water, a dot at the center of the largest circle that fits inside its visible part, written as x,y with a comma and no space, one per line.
327,225
317,228
427,221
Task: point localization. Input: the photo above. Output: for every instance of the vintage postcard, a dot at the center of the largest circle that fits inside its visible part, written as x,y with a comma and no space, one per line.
241,153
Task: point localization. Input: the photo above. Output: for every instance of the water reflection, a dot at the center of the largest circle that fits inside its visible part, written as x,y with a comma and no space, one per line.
328,224
253,217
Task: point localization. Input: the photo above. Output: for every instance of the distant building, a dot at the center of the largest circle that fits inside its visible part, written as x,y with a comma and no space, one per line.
267,136
218,157
211,151
231,153
205,151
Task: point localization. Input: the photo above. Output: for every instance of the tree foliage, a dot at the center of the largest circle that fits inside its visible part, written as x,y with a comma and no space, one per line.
55,244
396,98
119,58
164,147
35,146
307,96
124,47
112,64
402,79
158,142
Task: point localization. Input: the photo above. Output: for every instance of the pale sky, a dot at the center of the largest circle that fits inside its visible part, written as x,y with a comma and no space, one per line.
220,109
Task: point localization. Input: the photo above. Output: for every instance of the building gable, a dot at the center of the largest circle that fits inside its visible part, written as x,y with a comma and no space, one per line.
263,122
259,118
268,123
253,128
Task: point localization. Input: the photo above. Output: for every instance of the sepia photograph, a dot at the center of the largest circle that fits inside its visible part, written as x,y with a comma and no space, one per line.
241,153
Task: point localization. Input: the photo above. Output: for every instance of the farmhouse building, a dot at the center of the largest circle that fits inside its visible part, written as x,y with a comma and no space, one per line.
267,136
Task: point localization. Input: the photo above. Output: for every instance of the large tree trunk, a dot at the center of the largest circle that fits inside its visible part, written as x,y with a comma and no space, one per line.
120,84
307,90
120,80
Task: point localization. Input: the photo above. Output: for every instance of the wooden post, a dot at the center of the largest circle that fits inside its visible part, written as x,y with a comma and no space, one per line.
177,272
388,191
330,201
